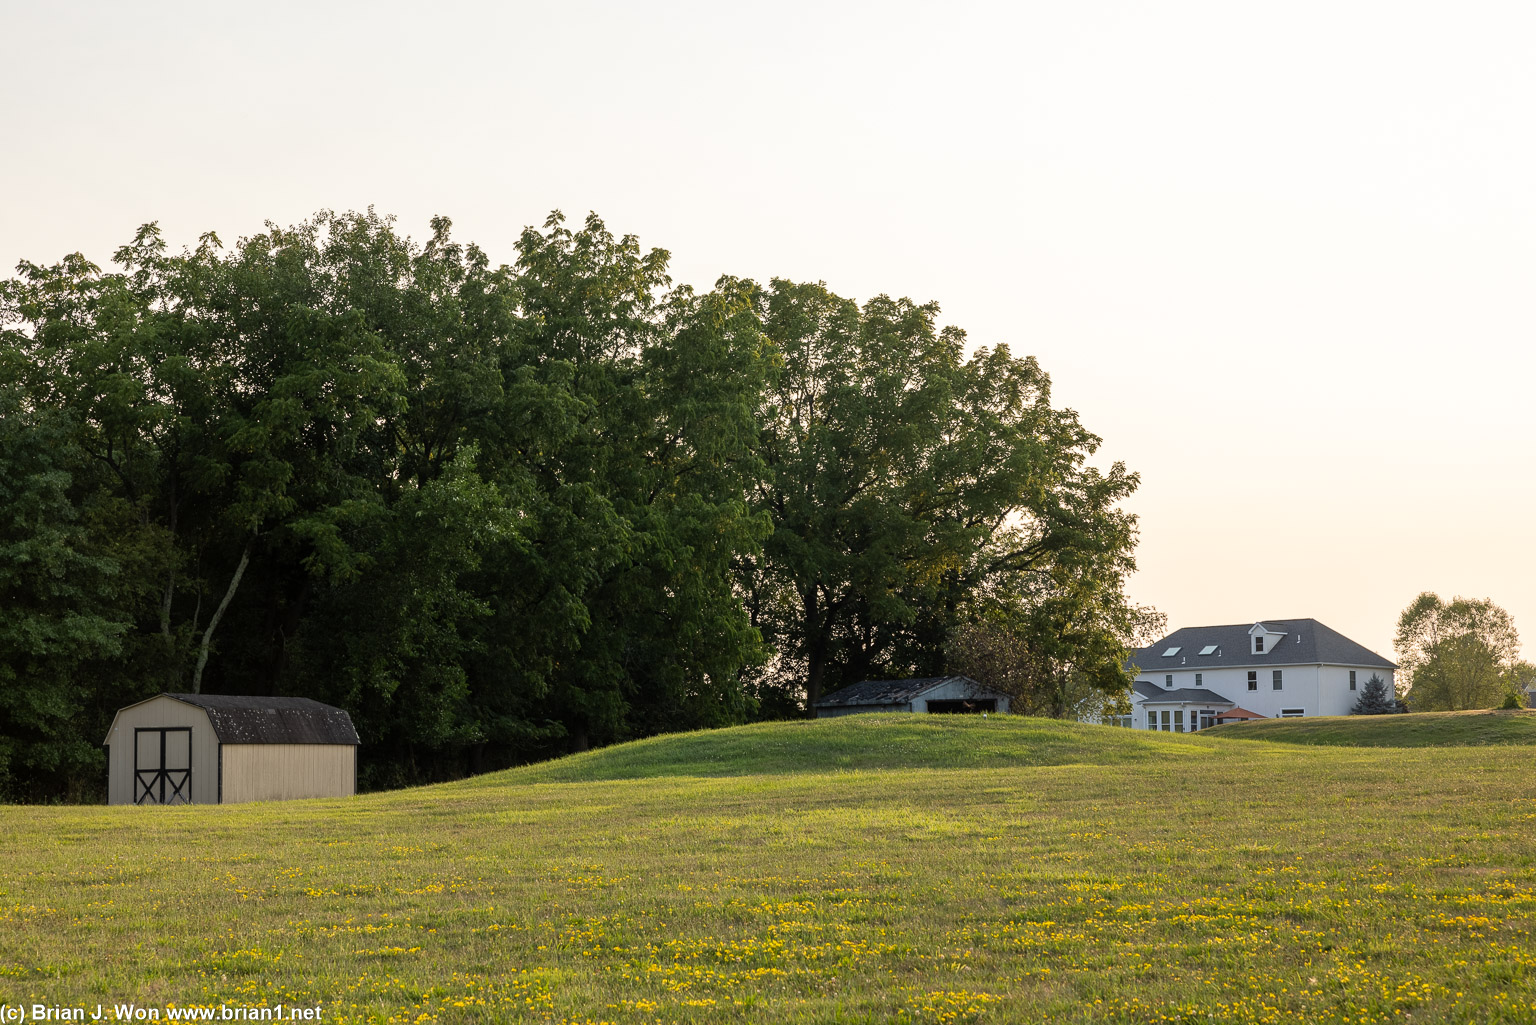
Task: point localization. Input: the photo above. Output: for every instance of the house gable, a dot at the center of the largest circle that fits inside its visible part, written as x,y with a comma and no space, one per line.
1264,640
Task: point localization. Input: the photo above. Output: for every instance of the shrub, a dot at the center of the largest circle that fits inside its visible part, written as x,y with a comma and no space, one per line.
1375,699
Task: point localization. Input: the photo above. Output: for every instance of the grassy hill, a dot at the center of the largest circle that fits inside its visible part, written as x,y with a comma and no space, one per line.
1422,729
873,869
876,741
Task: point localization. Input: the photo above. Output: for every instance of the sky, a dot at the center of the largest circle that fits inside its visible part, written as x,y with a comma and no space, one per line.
1280,257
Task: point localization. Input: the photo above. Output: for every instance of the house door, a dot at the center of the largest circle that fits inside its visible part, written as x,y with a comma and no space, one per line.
162,765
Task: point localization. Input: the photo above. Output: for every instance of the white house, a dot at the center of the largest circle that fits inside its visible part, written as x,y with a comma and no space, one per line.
1200,676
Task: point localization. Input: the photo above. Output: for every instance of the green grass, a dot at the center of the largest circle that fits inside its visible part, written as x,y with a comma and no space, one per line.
880,869
1428,729
859,742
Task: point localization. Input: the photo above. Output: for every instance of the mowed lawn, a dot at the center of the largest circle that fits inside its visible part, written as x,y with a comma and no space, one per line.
871,869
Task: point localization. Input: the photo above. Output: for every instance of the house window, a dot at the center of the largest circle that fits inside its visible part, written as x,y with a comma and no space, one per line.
1253,680
1292,713
1198,681
1277,679
1168,680
1351,679
1166,727
1178,721
1258,645
1151,720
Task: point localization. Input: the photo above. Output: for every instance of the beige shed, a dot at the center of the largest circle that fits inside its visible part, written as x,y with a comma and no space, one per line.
223,749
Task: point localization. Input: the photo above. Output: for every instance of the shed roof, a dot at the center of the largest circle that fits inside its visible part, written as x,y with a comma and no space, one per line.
243,719
895,692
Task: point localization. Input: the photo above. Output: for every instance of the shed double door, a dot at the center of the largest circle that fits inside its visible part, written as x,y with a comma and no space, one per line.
162,765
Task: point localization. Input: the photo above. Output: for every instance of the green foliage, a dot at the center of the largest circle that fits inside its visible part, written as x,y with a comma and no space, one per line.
1055,651
1376,698
72,568
1457,654
906,483
1520,684
504,512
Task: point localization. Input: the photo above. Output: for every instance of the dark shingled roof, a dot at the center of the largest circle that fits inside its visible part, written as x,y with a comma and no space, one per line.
238,719
1318,643
1153,693
892,692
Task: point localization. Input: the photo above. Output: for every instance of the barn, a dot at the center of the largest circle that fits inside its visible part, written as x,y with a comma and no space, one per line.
224,749
923,694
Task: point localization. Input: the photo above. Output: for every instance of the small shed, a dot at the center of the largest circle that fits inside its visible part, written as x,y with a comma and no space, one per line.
923,694
224,749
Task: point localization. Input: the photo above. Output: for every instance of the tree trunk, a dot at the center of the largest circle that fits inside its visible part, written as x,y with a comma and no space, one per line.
816,667
815,652
229,594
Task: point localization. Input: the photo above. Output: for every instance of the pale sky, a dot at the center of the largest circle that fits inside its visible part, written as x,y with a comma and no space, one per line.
1281,256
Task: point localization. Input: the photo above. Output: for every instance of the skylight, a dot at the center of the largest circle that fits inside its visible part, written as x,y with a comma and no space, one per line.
1171,652
1209,649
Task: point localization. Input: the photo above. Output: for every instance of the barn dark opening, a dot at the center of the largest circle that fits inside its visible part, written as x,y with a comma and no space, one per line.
961,705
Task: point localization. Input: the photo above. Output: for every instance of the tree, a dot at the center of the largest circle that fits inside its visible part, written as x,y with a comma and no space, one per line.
500,512
1046,666
1376,698
1456,654
1520,683
905,478
74,570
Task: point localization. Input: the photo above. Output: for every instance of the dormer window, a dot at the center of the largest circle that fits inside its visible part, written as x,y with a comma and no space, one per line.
1266,638
1172,652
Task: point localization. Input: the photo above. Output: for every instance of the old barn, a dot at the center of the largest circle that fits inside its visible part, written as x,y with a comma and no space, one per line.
924,694
224,749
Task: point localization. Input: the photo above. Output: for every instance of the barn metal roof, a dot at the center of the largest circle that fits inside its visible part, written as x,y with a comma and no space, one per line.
893,692
240,719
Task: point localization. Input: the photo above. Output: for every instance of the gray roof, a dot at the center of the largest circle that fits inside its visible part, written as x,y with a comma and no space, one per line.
894,692
239,719
1154,694
1318,643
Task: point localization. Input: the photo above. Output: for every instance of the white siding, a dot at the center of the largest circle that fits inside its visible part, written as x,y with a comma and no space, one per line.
160,713
1315,689
954,690
279,772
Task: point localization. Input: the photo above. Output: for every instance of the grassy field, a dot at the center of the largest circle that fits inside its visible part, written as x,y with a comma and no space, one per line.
873,869
1440,729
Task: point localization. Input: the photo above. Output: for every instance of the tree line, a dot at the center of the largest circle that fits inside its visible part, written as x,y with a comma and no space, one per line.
501,512
1461,654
